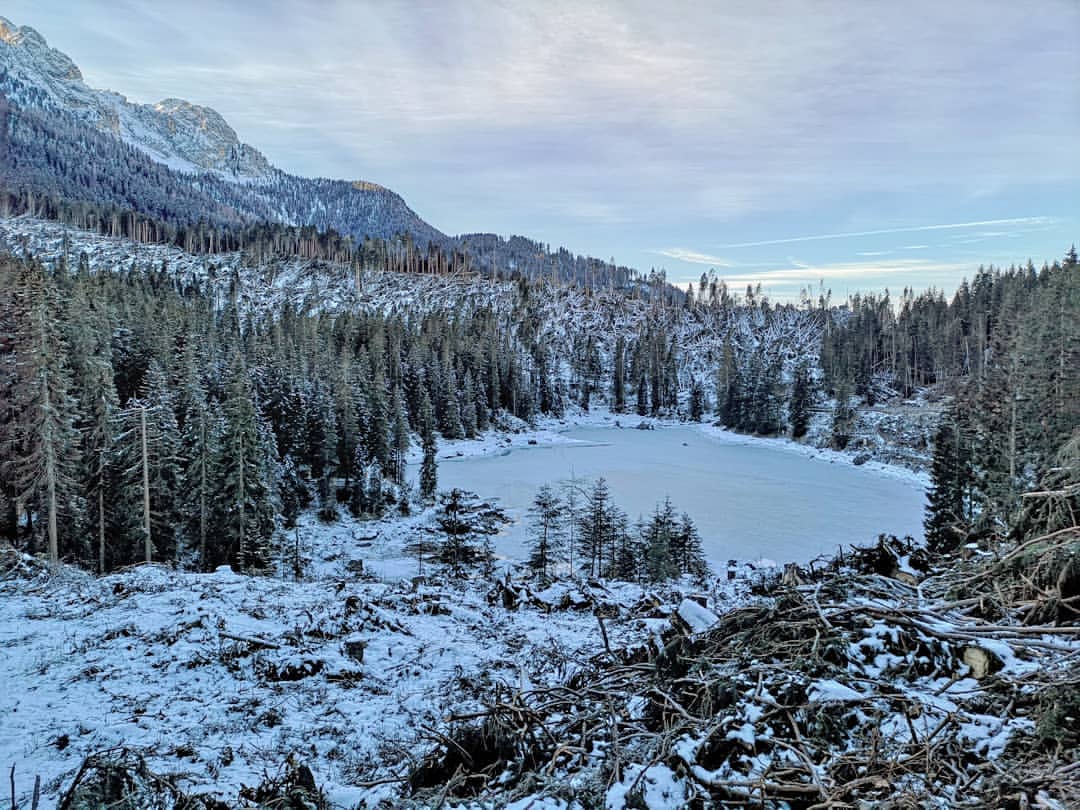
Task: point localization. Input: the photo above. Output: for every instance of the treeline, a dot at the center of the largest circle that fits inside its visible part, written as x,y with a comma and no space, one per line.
1013,342
139,421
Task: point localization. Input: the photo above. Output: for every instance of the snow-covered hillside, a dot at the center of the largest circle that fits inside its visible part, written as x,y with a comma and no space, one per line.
564,318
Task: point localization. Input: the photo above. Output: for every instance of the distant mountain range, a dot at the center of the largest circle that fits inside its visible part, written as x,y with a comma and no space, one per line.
183,164
195,143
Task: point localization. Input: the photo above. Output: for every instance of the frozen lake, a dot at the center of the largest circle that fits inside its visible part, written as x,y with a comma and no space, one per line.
750,499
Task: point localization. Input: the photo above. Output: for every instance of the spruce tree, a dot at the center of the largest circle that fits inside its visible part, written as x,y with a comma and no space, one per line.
399,436
242,524
41,443
659,536
619,385
801,401
466,527
697,401
688,549
843,422
947,515
547,532
429,468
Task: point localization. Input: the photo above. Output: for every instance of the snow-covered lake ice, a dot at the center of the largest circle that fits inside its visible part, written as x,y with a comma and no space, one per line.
750,499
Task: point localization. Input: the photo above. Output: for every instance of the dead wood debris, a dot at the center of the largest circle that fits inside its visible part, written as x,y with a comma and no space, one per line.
858,687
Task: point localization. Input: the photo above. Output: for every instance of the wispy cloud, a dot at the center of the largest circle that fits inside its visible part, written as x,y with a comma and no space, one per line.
693,257
564,121
866,275
1018,221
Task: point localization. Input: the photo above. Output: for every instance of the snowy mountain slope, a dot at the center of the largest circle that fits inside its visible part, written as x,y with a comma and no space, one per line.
206,153
563,317
198,143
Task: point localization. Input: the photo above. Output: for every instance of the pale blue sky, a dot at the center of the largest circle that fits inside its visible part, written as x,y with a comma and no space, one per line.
865,143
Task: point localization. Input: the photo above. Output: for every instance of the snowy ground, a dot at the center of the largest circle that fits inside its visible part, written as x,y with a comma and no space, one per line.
750,497
216,678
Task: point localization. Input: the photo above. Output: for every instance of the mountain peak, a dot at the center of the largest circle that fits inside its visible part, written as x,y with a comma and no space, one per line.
184,136
56,63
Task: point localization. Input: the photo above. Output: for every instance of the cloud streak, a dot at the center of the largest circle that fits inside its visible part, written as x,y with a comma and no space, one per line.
611,129
693,257
1020,221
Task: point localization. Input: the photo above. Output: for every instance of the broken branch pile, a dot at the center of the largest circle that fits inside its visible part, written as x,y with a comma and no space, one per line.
850,688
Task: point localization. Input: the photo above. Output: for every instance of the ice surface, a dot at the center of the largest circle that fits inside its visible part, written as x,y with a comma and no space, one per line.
750,498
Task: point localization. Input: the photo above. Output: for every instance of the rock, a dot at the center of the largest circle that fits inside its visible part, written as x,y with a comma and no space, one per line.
354,648
695,617
861,459
355,566
981,661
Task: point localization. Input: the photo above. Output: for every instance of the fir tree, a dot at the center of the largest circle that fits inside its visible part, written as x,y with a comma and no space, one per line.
41,442
547,531
242,523
801,401
429,468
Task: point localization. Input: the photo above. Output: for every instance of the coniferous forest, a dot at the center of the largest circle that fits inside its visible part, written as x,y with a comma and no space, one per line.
145,420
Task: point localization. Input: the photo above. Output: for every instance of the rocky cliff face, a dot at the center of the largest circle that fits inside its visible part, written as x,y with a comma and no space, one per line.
182,135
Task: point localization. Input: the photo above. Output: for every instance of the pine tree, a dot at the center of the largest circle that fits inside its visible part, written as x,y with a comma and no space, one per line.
801,401
242,523
429,468
41,441
546,541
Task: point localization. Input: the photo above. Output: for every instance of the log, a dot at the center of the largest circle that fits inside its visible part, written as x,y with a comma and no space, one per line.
258,642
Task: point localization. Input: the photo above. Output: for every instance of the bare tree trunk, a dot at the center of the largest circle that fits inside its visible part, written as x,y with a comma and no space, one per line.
148,546
202,494
50,477
241,497
101,519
